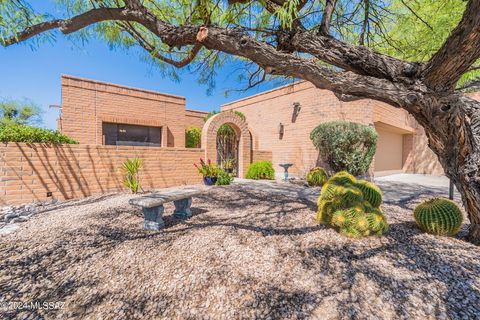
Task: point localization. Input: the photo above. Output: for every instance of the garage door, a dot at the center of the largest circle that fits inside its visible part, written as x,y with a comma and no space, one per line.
388,158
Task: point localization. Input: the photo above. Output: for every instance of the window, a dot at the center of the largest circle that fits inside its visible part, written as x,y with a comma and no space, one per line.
131,135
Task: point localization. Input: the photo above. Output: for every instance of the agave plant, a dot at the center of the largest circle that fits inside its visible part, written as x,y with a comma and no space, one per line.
130,169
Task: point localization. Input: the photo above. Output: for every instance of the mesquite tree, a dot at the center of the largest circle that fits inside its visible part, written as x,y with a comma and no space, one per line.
335,44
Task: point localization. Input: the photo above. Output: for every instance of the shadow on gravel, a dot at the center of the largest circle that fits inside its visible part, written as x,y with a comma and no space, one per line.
406,251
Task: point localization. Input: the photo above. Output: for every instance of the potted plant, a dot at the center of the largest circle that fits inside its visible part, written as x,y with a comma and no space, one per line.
208,170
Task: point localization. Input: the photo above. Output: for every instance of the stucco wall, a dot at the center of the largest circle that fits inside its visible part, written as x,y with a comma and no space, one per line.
86,103
28,172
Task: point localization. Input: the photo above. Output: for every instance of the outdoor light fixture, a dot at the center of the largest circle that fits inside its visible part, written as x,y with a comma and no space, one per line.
281,130
296,111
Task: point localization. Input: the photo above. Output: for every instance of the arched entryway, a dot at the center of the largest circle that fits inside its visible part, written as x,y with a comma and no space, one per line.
209,138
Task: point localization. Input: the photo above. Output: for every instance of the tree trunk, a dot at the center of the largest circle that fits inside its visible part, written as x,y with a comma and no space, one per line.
452,125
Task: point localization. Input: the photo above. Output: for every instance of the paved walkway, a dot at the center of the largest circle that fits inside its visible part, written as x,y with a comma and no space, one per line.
396,188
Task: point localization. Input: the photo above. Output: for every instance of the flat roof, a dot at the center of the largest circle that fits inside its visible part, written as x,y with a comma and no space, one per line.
66,76
265,92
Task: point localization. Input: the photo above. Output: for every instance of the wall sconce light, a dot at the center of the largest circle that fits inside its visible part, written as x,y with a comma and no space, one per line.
296,111
281,130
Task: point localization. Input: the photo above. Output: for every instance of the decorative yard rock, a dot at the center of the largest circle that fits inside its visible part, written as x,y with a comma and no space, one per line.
23,213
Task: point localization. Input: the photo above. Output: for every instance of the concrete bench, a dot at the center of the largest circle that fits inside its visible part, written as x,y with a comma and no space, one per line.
153,209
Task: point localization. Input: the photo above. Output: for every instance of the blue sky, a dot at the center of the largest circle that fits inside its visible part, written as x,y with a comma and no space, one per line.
35,74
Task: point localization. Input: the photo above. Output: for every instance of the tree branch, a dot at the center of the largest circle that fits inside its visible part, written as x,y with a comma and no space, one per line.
76,23
366,64
458,53
327,16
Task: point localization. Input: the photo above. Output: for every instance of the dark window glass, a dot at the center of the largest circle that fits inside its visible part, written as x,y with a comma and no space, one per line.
131,135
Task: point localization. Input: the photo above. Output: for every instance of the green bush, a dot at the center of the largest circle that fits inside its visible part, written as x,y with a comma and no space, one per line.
317,177
345,146
223,178
261,170
28,134
193,135
439,216
352,206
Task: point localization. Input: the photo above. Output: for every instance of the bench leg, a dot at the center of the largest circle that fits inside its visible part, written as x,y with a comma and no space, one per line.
153,218
182,208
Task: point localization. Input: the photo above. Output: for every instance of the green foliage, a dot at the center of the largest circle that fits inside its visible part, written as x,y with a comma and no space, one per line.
345,146
260,170
131,178
193,135
317,177
223,178
439,216
351,206
207,169
28,134
19,112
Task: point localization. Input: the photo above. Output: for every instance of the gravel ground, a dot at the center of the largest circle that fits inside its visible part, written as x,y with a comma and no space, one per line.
245,254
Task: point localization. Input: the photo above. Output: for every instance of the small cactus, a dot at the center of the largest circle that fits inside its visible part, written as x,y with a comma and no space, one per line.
342,177
371,192
439,216
317,177
351,206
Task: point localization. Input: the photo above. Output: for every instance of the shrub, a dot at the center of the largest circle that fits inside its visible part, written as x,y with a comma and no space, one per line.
193,135
345,146
261,170
317,177
439,216
28,134
223,178
130,169
351,206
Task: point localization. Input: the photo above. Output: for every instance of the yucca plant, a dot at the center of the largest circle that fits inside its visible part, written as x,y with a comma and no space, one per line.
131,178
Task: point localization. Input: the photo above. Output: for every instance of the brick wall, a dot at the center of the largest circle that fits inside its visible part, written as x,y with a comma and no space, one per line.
265,111
258,155
195,118
28,172
87,103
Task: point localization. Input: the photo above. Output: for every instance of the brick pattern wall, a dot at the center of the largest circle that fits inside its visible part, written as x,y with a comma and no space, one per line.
28,172
261,155
87,103
265,111
195,118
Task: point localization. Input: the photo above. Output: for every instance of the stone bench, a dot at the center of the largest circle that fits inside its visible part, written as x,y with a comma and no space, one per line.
153,209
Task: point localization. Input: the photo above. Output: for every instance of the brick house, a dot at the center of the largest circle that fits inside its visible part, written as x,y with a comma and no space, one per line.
101,113
114,123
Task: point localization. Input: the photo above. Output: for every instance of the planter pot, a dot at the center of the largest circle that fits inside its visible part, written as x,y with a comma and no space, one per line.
209,181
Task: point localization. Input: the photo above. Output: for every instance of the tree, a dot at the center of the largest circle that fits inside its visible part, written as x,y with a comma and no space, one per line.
193,137
329,43
19,112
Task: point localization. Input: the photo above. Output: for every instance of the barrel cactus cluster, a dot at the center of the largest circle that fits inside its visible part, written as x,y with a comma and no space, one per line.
439,216
317,177
352,206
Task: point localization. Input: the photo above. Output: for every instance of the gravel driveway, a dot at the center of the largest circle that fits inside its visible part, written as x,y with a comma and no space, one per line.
245,254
